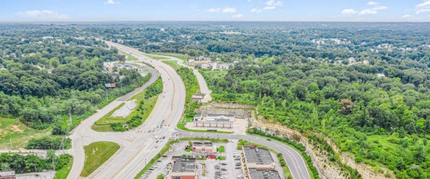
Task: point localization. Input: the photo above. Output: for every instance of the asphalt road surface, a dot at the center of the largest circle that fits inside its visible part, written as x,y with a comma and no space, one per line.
140,145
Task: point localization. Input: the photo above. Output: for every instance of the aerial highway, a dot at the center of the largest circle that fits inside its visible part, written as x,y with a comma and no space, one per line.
204,89
139,146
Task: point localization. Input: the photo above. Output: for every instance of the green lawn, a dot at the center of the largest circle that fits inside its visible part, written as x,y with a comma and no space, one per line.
64,172
96,154
103,124
156,57
177,55
19,133
172,63
128,57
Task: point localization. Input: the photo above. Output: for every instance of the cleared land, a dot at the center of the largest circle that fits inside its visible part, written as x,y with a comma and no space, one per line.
96,154
15,135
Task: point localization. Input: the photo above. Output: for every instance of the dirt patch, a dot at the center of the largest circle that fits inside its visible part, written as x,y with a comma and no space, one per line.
17,129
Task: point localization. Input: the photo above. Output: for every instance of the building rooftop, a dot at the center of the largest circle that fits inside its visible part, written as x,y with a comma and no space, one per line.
197,143
216,115
258,155
7,173
181,164
263,174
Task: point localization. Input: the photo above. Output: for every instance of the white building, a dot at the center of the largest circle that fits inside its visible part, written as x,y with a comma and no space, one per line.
220,117
198,117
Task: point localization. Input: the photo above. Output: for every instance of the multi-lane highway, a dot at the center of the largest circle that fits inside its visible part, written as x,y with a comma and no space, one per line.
140,145
202,82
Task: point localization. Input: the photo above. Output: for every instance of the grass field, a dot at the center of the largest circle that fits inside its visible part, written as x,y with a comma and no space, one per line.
96,154
177,55
64,172
156,57
172,63
15,135
128,57
103,124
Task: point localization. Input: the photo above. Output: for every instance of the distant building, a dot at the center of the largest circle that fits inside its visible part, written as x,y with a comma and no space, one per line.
2,67
7,175
263,174
220,117
351,60
258,158
198,117
203,147
202,58
225,66
197,97
206,66
380,75
183,168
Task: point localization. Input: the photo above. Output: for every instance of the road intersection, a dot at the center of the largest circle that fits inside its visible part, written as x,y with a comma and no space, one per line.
140,145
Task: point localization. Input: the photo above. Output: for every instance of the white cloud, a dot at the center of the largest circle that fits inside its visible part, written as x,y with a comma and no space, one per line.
372,3
368,12
421,11
379,8
349,11
274,3
111,2
256,10
223,10
214,10
237,16
43,15
229,10
270,5
424,4
269,8
407,16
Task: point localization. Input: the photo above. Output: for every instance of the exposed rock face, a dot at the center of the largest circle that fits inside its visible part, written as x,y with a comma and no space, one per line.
320,158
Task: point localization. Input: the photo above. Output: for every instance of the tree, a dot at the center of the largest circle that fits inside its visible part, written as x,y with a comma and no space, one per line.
347,106
300,92
54,62
160,176
221,149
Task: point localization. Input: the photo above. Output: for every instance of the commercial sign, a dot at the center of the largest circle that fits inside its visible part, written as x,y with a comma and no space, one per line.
110,85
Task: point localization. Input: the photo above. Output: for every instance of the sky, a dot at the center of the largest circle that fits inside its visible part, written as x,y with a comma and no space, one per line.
214,10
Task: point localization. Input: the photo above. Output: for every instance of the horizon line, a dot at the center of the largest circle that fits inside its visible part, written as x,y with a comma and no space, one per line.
118,21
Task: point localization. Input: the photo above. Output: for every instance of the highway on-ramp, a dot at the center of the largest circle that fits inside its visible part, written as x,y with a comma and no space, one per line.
140,145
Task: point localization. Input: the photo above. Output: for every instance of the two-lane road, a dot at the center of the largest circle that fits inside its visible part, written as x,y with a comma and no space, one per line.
295,161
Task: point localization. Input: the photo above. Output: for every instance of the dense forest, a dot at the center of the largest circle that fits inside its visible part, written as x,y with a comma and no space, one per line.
364,85
45,80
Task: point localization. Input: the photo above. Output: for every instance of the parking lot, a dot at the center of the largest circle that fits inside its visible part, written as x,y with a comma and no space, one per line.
214,169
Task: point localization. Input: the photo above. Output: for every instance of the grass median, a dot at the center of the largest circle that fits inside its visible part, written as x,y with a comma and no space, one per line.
96,154
145,102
